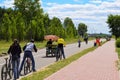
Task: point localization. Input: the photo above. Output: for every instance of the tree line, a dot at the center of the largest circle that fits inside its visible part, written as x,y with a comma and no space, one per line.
27,20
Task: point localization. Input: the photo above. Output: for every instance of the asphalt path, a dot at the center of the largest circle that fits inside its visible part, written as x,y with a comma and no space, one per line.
40,57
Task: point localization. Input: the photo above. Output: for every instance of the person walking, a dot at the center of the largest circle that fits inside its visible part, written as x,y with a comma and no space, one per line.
28,53
86,40
60,47
79,43
15,50
98,41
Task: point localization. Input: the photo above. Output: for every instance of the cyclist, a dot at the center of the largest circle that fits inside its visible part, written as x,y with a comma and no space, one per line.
15,51
61,44
28,53
49,45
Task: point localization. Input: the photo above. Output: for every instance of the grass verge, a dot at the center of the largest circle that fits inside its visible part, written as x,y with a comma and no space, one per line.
47,71
118,62
4,46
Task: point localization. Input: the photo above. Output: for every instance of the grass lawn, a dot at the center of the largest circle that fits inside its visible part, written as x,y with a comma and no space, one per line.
118,51
118,62
4,46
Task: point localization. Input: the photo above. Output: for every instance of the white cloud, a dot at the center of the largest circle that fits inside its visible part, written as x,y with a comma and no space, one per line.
96,1
95,16
7,3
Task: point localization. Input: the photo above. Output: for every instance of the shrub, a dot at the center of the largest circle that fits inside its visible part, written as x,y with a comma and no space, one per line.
118,43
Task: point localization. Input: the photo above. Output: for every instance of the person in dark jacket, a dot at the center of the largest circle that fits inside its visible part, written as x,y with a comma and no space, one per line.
79,43
28,53
15,51
49,45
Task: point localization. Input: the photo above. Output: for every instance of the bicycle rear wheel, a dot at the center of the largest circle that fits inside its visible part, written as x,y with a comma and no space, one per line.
27,67
4,72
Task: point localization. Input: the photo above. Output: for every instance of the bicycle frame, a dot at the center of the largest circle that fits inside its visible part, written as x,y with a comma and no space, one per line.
27,66
6,69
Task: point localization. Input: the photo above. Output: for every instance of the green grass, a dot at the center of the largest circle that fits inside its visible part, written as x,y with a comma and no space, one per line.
118,51
47,71
4,46
118,61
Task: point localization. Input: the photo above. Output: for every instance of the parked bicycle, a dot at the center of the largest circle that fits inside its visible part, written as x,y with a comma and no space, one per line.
27,66
6,70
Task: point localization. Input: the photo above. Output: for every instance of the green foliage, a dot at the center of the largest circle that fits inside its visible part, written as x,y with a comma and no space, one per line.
27,20
118,43
69,27
82,29
114,24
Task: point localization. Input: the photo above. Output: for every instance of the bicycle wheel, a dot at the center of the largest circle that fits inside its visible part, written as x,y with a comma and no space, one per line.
10,70
29,66
4,72
25,68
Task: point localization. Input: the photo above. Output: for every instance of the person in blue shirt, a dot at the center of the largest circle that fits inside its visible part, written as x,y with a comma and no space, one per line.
28,53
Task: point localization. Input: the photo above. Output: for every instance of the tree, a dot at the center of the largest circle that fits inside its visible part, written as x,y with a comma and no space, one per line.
56,27
33,16
6,27
82,29
69,27
46,21
114,25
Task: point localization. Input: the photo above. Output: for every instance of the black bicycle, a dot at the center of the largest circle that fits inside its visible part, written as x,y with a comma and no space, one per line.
27,66
59,55
6,70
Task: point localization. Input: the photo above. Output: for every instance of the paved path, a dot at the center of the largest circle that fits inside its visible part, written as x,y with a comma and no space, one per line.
42,61
97,65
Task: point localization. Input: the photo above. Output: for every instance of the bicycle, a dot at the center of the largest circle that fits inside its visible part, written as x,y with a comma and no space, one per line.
7,69
27,66
59,55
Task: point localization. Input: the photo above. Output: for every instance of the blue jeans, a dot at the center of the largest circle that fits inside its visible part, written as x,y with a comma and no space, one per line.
15,65
29,55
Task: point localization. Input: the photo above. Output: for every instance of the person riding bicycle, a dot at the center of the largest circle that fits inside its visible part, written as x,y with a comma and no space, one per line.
14,51
61,44
49,45
28,48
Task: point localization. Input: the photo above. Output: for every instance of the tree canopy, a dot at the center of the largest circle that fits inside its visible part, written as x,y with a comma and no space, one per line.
27,20
82,29
114,24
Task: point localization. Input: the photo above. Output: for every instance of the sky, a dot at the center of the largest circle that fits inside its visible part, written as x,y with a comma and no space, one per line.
93,13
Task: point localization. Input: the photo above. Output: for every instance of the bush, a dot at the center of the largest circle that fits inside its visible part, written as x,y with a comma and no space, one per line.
118,43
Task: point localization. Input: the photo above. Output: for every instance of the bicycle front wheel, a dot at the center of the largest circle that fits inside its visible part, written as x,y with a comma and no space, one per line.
25,68
10,70
4,72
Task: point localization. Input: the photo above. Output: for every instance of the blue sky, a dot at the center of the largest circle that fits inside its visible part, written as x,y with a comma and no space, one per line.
93,13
